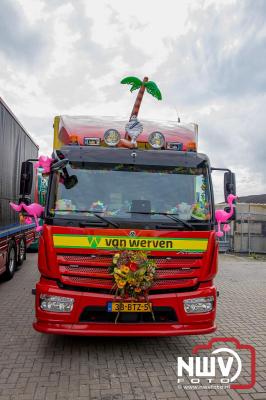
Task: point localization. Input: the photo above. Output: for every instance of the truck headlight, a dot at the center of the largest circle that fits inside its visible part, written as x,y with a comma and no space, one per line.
156,140
111,137
56,303
199,305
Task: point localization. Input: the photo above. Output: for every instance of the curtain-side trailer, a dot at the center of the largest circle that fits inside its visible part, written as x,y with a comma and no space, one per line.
16,146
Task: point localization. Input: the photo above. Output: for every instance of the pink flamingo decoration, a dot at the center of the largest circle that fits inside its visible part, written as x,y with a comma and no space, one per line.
222,216
28,220
35,210
44,162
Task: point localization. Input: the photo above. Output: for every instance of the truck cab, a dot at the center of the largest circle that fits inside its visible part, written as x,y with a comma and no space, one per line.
104,196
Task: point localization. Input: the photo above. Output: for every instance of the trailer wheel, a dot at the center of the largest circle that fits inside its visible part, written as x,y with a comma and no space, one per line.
11,261
21,251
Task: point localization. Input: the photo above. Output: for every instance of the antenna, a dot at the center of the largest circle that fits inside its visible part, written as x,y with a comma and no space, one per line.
178,117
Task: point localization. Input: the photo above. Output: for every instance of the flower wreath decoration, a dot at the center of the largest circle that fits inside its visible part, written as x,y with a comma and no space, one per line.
134,274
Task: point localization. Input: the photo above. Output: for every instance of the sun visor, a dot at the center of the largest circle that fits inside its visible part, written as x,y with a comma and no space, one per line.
103,155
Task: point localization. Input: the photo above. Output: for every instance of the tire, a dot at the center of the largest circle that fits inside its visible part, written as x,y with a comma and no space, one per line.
21,251
11,261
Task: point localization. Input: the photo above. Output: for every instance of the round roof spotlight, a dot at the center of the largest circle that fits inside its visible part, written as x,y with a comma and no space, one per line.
156,140
112,137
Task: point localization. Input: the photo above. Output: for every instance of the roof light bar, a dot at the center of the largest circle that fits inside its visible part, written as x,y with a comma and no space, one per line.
112,137
156,140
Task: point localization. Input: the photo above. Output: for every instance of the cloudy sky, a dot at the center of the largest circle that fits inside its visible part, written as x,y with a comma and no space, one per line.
207,57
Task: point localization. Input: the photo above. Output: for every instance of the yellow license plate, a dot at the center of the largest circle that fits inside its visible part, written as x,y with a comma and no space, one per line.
128,307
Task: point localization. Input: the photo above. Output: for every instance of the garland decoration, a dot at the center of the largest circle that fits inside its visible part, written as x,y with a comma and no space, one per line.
133,275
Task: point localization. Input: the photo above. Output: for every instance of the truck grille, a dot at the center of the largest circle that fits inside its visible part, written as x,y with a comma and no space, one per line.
106,260
108,283
91,271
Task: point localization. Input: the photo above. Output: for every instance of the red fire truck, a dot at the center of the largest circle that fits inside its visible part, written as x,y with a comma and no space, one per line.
103,197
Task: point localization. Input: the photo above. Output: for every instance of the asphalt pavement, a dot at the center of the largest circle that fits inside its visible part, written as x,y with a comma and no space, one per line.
47,367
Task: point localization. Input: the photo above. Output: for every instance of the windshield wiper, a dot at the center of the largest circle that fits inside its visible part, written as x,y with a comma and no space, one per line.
171,216
94,213
105,219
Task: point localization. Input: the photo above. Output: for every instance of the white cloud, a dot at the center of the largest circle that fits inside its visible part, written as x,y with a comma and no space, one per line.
208,58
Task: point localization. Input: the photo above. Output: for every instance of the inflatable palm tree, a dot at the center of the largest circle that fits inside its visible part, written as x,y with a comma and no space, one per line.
136,83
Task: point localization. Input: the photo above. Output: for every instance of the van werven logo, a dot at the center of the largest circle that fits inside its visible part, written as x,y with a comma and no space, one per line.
149,243
223,365
94,241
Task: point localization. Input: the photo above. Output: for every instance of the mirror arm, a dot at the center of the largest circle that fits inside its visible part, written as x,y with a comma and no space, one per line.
221,169
60,164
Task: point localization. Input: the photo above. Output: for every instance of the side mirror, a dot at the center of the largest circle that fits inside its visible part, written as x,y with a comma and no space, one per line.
70,181
26,178
229,184
25,200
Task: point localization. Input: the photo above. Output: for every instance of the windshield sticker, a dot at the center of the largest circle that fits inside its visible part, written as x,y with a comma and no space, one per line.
124,242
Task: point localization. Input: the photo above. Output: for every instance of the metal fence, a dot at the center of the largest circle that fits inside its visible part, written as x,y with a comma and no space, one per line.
247,234
226,242
250,233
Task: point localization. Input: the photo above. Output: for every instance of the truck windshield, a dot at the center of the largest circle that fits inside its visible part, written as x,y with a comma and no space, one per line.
123,191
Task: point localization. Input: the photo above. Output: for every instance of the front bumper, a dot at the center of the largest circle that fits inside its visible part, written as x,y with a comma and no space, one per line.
69,324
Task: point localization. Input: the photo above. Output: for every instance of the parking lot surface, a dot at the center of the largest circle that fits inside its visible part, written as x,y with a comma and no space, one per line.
48,367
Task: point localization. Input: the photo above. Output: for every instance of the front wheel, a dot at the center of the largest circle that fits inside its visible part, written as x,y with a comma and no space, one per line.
11,261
